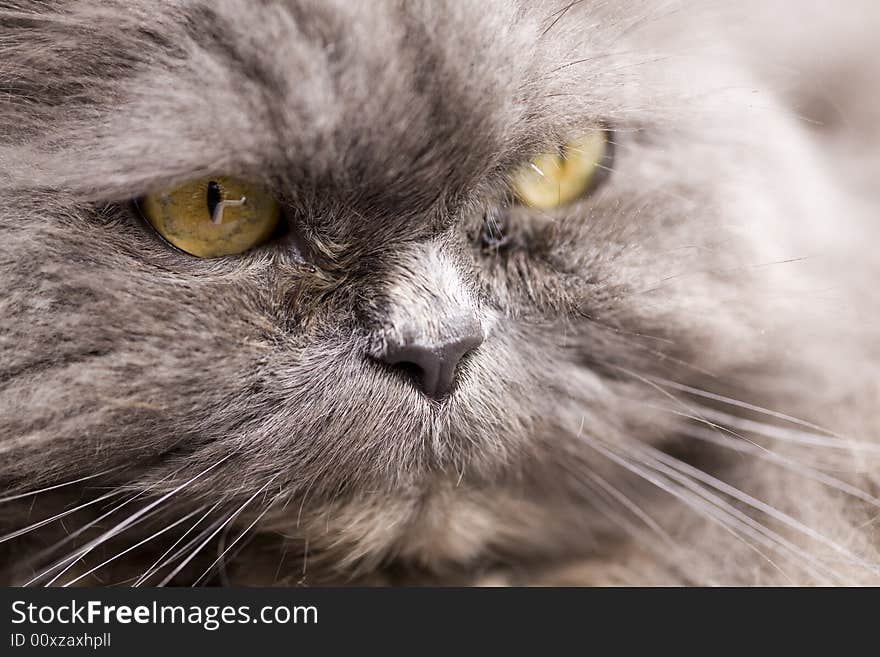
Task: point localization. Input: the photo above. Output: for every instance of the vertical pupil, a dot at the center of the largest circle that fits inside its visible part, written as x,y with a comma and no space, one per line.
214,196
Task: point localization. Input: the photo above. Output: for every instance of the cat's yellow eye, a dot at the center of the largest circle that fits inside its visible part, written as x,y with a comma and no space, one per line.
213,217
552,180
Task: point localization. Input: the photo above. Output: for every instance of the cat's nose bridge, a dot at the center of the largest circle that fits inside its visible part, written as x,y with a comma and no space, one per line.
431,320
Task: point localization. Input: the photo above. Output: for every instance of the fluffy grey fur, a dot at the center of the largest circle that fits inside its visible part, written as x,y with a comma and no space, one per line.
680,375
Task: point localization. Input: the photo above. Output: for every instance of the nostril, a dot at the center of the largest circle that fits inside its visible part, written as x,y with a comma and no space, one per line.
411,371
406,363
432,366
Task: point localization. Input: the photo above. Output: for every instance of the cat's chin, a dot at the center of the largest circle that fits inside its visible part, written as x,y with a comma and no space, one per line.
444,529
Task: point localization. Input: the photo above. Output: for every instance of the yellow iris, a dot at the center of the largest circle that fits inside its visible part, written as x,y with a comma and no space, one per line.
552,180
213,217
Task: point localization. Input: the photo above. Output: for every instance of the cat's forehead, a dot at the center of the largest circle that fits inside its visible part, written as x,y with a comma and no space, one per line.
410,99
379,91
365,94
390,89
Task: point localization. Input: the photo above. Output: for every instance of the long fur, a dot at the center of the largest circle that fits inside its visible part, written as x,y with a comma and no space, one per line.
680,377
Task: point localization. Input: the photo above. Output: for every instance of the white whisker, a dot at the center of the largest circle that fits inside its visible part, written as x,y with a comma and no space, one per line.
214,533
790,435
149,571
55,487
811,473
186,547
133,547
718,510
631,506
740,404
231,545
135,518
57,516
753,502
52,549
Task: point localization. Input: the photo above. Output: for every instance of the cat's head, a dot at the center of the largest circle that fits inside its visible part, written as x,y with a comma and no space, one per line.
416,360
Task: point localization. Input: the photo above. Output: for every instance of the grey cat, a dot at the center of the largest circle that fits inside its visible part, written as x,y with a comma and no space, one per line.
673,378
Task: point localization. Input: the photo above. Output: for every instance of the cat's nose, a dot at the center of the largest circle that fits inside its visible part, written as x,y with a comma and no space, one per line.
433,363
429,318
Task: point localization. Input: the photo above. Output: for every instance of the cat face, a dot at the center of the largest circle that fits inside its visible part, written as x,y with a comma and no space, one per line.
416,362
